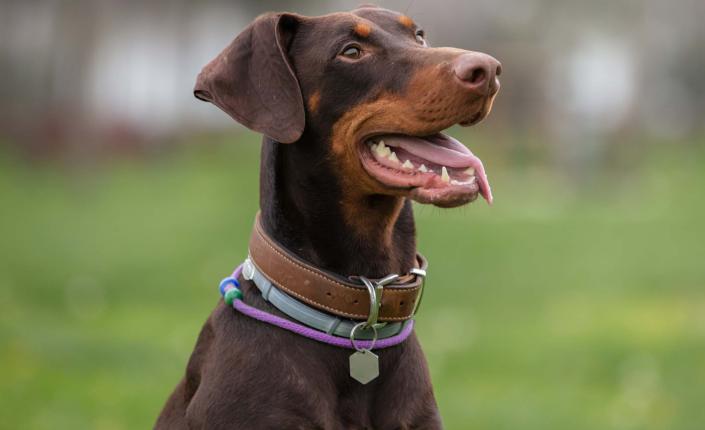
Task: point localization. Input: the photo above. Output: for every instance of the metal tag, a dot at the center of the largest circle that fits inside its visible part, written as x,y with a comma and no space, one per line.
364,366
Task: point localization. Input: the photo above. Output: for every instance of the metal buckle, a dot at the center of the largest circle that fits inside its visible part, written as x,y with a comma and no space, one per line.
422,273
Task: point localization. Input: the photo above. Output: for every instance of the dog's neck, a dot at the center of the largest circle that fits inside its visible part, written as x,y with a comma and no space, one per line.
304,209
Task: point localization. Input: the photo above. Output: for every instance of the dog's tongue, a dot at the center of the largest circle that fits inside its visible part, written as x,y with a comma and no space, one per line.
446,151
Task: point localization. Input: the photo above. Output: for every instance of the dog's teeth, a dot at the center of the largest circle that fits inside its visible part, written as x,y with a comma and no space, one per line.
423,168
381,150
407,165
468,182
393,157
470,171
444,174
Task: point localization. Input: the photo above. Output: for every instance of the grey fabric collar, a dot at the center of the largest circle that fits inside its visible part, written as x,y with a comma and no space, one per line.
309,316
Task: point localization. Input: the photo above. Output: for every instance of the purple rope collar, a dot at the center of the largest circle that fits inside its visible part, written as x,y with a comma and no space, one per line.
316,335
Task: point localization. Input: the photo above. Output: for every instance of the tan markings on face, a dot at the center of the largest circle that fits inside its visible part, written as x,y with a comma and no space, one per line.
430,103
406,21
373,221
370,223
314,101
362,29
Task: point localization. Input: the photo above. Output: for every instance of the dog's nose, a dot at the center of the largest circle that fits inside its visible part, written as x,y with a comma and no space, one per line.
478,72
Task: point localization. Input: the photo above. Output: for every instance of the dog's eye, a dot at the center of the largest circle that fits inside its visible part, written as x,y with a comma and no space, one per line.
420,37
352,51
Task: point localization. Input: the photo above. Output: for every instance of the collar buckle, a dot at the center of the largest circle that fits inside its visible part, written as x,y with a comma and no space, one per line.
422,274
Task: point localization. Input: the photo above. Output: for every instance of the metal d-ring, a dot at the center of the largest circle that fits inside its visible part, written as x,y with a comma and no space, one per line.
363,324
375,289
375,302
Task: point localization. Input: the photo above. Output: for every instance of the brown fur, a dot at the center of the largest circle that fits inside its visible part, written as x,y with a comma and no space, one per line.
318,202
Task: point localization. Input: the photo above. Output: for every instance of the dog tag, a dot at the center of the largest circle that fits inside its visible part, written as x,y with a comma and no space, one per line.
364,366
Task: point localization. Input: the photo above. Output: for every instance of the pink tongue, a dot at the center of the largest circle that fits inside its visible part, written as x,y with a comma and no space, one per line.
444,151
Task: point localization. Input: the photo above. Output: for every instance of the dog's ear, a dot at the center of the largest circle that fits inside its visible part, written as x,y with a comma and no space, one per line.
253,81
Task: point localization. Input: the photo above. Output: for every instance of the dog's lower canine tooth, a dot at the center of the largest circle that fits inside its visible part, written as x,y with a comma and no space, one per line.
444,174
393,157
407,165
423,168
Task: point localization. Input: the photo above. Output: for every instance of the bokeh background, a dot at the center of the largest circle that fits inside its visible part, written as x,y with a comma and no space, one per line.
576,302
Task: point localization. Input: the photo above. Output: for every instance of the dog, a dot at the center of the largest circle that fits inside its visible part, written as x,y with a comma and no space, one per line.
352,107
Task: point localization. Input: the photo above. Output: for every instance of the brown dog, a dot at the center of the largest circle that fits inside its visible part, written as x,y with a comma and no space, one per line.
351,106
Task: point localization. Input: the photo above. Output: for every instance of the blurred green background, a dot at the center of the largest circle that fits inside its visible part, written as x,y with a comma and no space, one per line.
576,301
584,307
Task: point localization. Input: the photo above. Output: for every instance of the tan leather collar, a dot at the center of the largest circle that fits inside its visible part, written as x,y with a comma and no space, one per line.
329,292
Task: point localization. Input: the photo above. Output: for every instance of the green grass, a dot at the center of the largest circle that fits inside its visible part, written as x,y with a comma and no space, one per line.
573,303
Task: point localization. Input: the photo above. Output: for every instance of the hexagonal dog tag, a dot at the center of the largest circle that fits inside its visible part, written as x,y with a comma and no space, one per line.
364,366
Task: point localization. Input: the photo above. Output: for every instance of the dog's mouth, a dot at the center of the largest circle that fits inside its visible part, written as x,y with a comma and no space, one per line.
435,169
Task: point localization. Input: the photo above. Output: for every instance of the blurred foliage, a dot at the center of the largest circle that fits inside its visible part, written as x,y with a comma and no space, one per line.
569,304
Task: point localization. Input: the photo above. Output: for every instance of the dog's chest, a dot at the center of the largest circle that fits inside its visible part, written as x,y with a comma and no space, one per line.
258,377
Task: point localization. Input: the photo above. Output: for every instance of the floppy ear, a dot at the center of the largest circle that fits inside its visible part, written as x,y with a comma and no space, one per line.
253,81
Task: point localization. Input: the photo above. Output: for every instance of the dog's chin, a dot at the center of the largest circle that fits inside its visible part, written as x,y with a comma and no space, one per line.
447,197
434,169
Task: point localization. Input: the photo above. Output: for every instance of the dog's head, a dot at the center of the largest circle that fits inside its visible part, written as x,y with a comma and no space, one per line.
367,84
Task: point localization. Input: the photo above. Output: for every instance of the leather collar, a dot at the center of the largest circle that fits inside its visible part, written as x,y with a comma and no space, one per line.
330,292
